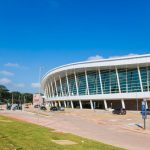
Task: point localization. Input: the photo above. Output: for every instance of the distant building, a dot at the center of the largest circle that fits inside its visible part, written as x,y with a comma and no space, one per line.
100,84
38,99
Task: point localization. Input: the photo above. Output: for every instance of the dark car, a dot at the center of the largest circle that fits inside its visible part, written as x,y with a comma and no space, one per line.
36,106
26,106
43,108
148,111
54,108
61,108
14,107
119,111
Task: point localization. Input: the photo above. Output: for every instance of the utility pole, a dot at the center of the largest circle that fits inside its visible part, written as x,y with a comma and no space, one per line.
40,72
12,99
24,100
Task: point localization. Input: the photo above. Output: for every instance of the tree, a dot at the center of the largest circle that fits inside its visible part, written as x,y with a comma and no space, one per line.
18,97
4,93
3,88
28,97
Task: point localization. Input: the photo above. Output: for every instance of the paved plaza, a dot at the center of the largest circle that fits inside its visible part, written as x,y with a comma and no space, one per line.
122,131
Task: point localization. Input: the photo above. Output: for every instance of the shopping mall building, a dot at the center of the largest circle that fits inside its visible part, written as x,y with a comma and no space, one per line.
100,84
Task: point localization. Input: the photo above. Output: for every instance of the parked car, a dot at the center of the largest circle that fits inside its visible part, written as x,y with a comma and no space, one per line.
54,108
14,107
26,106
61,108
148,111
36,106
43,108
119,111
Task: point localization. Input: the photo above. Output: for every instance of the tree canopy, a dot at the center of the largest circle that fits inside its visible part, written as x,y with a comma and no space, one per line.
3,88
18,97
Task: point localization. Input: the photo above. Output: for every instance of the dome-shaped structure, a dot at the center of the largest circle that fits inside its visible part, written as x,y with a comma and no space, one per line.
117,82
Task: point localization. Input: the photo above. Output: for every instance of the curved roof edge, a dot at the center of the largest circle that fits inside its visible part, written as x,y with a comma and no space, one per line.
98,61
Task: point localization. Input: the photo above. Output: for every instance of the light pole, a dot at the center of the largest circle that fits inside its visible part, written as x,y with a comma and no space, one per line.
40,73
12,99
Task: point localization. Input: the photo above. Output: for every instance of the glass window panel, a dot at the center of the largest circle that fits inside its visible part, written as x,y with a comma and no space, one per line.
144,78
81,80
94,82
105,81
72,85
114,82
58,88
54,88
123,80
133,81
64,86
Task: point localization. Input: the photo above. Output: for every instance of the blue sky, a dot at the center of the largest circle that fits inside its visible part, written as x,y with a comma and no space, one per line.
50,33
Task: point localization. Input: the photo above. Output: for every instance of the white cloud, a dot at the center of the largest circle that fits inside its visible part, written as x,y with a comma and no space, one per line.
12,65
5,81
6,73
20,85
124,56
35,85
97,57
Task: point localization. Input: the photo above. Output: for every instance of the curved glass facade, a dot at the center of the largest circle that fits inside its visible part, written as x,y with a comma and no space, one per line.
104,81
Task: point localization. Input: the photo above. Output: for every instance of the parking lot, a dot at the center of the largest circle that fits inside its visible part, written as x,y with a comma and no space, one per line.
123,131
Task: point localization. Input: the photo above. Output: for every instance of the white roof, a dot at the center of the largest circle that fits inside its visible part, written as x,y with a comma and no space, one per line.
102,63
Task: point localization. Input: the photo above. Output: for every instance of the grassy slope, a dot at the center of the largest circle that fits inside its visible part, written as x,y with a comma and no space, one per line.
21,135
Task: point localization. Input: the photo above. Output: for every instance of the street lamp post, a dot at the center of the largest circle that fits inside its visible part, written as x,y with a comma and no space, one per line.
40,73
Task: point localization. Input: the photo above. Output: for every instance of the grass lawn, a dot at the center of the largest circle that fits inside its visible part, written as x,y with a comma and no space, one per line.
18,135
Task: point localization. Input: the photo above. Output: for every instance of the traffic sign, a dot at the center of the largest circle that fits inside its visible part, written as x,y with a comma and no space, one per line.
144,113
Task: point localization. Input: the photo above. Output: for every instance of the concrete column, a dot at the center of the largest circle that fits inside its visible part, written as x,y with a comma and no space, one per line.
72,105
52,104
59,104
55,86
76,83
123,104
140,78
126,80
61,86
146,105
65,104
87,84
52,90
80,103
100,79
118,81
91,102
105,104
49,91
68,84
56,104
